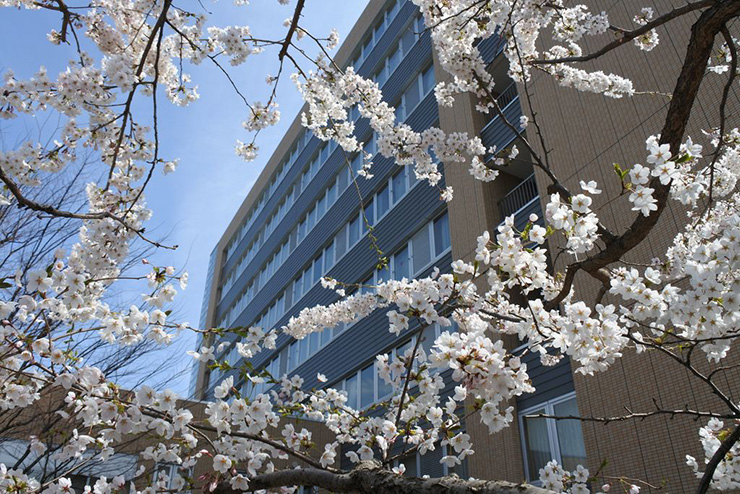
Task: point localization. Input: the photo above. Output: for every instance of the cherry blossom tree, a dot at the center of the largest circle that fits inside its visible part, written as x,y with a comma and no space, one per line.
684,306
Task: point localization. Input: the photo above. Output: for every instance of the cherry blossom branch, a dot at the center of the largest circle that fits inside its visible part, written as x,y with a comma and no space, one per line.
634,415
630,35
717,457
31,204
369,478
293,26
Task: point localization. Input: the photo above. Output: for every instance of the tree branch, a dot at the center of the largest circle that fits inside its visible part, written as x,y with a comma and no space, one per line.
368,478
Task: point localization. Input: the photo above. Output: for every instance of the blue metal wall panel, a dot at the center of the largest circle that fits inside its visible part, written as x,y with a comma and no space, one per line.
426,114
549,382
420,205
389,37
491,47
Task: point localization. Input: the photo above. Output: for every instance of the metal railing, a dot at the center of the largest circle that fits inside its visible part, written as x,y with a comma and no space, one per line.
503,100
518,197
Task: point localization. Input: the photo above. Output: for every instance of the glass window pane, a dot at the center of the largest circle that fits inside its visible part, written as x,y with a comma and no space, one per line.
382,201
288,298
302,350
313,343
343,179
354,230
421,249
537,443
350,386
399,186
294,355
367,47
381,77
370,213
570,436
441,234
325,336
321,207
329,257
331,195
318,269
394,59
412,96
341,242
311,219
410,463
427,79
357,163
383,274
367,386
409,39
369,146
380,29
401,264
399,112
307,280
392,12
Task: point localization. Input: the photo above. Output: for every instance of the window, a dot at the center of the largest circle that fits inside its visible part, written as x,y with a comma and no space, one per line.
382,202
370,212
408,40
329,257
427,79
354,231
350,385
401,264
441,234
412,96
399,186
173,475
331,194
421,249
367,386
549,439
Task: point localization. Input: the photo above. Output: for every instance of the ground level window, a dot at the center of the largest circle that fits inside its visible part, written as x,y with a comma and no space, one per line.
545,439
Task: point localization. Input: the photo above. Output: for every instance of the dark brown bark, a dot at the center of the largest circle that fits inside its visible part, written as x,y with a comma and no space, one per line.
368,478
703,34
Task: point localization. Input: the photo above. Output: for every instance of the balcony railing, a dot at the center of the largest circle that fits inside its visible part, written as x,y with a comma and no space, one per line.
519,197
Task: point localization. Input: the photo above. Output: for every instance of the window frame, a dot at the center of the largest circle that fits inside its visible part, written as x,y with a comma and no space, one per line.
552,432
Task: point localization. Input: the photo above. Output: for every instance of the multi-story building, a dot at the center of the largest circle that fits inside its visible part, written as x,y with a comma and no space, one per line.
303,220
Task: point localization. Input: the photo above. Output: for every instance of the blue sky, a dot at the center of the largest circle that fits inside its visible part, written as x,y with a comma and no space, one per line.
193,206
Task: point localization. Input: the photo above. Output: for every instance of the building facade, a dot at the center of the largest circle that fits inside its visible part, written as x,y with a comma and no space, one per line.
303,220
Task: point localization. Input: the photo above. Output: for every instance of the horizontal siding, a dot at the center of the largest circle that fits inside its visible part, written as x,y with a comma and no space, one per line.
423,116
392,33
522,216
497,133
549,382
357,346
426,114
491,47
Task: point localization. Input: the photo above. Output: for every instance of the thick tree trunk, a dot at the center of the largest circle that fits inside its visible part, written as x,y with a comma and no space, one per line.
368,478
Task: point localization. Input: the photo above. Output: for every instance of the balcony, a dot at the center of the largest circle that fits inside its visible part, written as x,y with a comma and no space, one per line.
521,201
497,132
